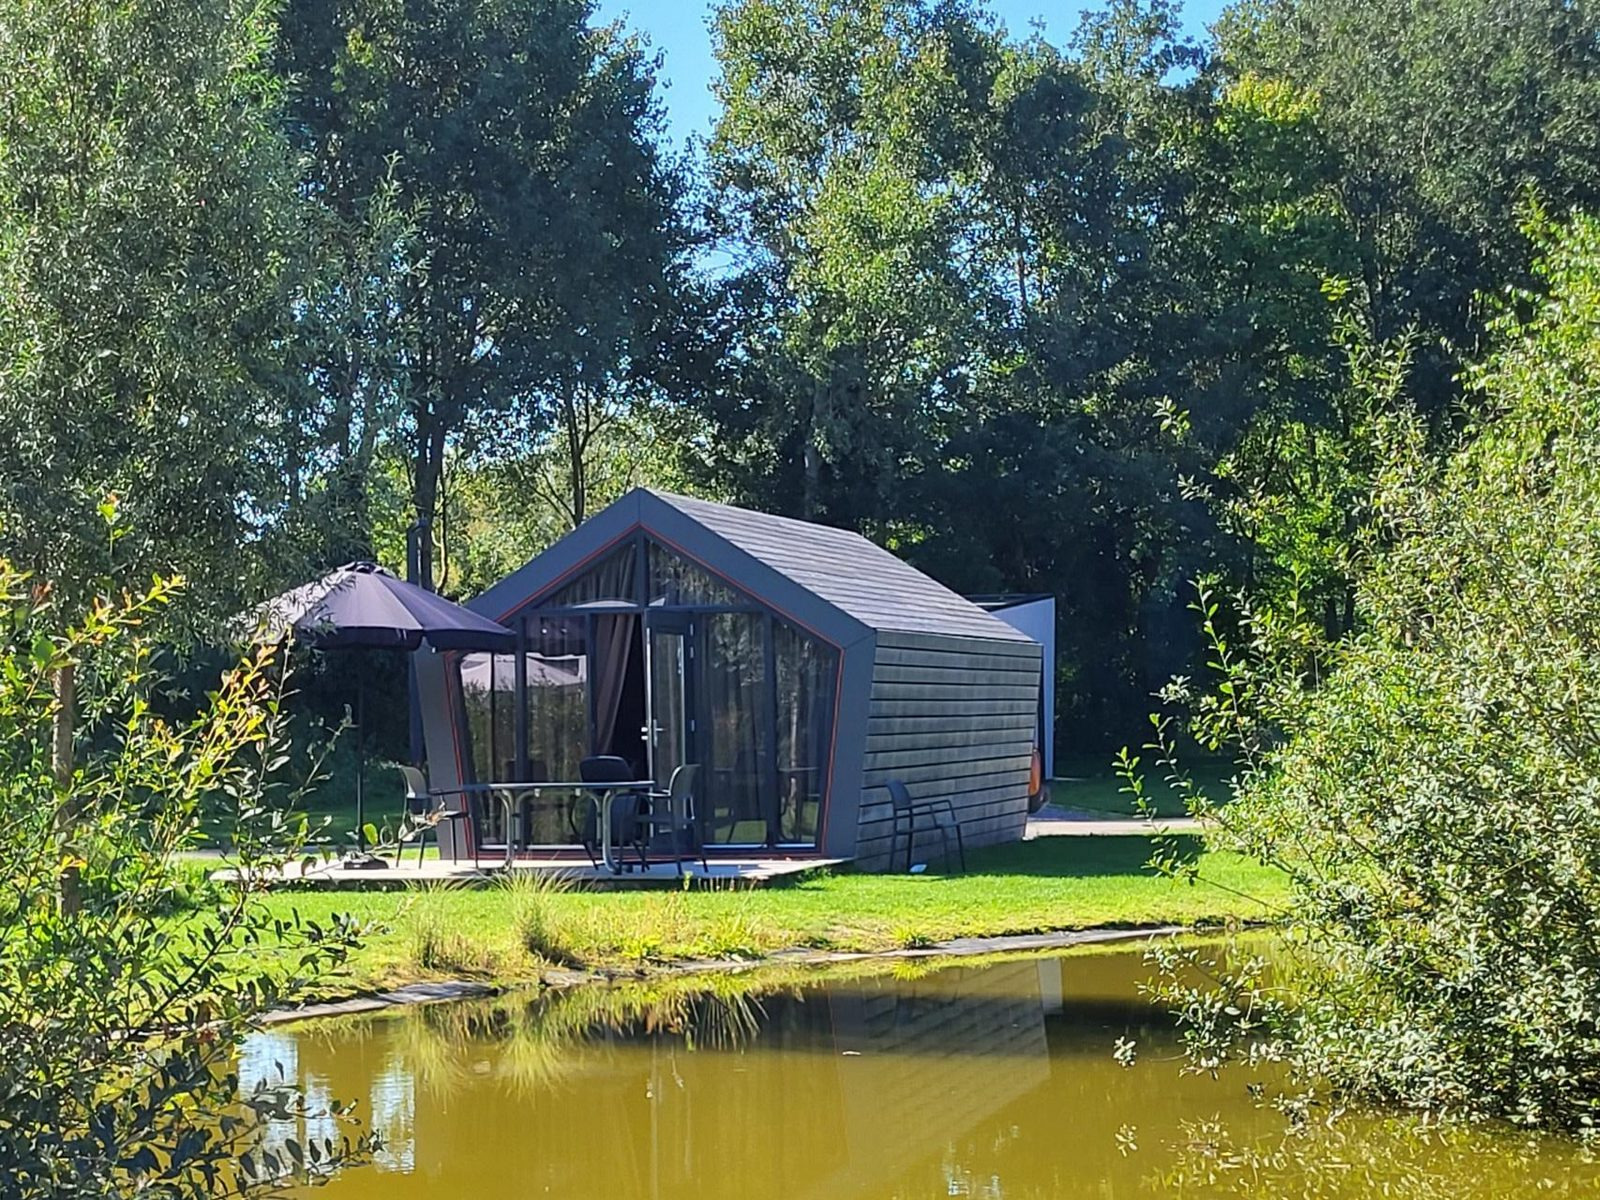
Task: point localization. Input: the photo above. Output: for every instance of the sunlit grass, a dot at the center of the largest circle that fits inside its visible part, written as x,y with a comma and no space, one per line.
1031,887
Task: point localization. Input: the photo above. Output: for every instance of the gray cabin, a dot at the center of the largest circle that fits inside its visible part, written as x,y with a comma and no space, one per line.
801,666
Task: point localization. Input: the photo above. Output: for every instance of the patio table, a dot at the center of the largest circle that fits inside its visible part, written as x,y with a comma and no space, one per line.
603,795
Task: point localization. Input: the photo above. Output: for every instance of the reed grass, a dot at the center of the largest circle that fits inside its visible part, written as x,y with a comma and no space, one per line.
514,932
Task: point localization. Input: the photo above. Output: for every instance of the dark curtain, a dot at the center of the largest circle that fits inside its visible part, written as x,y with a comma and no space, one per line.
734,728
614,638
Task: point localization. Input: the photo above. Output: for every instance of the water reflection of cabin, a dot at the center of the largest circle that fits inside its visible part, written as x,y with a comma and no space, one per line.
801,666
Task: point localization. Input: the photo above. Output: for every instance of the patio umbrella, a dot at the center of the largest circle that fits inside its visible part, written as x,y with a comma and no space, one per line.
361,606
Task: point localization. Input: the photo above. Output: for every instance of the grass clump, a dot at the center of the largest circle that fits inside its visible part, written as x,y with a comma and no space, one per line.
908,937
544,932
435,946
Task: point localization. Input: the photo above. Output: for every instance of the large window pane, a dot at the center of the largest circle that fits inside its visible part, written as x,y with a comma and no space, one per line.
733,727
807,673
558,674
676,580
482,701
557,677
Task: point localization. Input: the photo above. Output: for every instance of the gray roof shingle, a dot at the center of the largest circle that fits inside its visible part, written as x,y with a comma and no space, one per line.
848,571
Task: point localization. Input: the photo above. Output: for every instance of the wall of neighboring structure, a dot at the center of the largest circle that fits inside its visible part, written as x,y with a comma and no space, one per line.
1037,619
952,717
436,700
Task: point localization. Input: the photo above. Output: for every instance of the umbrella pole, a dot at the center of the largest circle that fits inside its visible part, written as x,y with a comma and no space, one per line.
361,765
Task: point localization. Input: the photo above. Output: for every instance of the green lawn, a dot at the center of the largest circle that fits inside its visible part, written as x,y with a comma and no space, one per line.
330,806
1094,786
1048,884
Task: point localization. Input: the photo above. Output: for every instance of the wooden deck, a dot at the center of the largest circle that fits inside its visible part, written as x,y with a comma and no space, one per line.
724,872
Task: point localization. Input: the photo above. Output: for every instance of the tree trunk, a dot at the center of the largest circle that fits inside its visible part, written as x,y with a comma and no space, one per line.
811,452
578,498
425,483
66,698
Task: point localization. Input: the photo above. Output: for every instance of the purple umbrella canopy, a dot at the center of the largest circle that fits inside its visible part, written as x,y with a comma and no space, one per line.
361,606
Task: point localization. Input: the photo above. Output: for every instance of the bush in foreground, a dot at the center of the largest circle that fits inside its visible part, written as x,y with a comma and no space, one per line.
1432,785
118,1021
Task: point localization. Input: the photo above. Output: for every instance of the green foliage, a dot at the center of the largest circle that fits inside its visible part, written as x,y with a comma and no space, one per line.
518,141
1045,884
538,927
148,220
435,946
989,276
1444,115
119,1019
1431,784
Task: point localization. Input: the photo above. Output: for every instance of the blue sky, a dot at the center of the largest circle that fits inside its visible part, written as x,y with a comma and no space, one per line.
677,29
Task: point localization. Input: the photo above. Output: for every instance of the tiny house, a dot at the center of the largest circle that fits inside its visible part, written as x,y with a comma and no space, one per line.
799,665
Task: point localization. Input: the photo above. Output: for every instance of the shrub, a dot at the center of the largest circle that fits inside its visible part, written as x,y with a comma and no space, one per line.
118,1018
1432,785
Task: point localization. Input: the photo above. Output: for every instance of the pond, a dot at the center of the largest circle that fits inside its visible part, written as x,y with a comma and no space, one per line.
995,1081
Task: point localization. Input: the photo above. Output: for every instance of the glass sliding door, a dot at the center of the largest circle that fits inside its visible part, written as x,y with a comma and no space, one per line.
807,675
668,728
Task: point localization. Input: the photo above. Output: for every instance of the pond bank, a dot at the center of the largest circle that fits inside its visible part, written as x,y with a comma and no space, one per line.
511,934
445,990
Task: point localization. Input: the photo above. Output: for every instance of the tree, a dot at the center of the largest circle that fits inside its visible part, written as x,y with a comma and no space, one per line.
548,245
146,204
987,276
349,386
850,319
1446,114
497,513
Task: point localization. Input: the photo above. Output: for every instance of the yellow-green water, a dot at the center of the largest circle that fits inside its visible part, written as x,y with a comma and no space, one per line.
995,1082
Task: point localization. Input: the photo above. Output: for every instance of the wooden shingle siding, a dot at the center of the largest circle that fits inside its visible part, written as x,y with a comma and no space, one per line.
952,718
931,737
899,647
938,724
1016,676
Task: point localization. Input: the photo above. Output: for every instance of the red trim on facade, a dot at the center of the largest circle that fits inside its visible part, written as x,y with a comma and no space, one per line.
739,587
457,706
570,572
833,746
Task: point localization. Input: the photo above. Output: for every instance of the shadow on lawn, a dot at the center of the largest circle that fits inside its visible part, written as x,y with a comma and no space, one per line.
1078,857
1044,858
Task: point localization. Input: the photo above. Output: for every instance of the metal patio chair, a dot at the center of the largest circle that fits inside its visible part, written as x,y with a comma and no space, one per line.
424,811
672,815
626,810
939,811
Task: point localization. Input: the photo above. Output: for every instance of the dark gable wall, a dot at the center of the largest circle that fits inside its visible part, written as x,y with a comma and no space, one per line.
951,717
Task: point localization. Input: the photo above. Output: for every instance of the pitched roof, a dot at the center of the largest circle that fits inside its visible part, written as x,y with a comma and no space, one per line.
853,574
